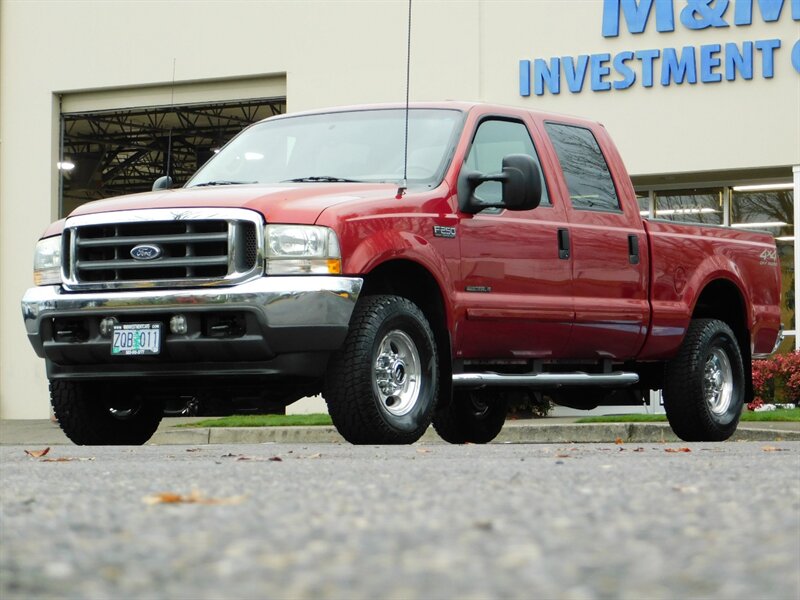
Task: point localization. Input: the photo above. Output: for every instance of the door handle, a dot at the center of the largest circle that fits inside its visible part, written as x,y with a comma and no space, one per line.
633,249
563,243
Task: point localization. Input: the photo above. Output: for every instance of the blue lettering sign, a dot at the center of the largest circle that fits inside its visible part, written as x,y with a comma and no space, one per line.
700,14
542,73
743,61
628,74
524,78
636,14
647,57
770,11
600,70
796,56
678,70
575,72
708,62
767,49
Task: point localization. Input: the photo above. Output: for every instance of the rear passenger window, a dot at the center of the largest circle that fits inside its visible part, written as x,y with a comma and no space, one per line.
494,140
585,169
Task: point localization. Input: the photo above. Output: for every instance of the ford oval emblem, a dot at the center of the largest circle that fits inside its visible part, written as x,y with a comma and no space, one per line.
146,252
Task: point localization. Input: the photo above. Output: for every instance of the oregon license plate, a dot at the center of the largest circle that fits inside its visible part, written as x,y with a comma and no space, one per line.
134,339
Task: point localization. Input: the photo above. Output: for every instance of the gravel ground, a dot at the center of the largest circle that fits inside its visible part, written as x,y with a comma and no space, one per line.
338,521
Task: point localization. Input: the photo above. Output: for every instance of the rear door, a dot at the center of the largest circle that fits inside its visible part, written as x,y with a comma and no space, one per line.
608,245
514,287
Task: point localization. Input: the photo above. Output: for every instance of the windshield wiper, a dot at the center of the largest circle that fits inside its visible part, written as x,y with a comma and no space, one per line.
326,178
222,182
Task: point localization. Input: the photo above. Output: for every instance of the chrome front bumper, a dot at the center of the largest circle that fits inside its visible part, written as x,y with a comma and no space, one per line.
293,314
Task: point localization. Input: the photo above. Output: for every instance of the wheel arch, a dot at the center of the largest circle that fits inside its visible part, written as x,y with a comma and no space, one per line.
412,280
722,299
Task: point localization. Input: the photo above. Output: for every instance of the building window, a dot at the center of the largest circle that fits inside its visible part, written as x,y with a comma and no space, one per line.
773,211
691,205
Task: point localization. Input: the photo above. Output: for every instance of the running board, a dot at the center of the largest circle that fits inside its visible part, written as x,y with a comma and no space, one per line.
545,380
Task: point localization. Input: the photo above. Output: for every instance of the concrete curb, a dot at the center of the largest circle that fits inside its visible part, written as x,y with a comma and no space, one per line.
538,431
630,433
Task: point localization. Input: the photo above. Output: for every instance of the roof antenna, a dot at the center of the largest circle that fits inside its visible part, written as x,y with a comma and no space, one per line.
165,181
404,185
171,108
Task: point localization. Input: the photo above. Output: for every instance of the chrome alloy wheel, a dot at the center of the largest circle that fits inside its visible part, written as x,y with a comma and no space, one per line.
397,373
718,381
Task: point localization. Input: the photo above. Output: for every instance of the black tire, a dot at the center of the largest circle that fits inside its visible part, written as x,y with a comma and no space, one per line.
93,413
474,417
371,396
704,386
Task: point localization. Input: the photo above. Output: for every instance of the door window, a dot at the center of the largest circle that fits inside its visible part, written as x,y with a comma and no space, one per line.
494,140
585,169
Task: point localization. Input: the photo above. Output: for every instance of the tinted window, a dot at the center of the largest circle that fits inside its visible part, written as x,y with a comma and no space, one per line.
494,140
585,169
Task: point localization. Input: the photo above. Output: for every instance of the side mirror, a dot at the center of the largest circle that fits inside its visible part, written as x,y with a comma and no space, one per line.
162,183
521,180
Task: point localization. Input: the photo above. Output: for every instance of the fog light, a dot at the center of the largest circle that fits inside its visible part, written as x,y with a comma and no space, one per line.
178,325
107,326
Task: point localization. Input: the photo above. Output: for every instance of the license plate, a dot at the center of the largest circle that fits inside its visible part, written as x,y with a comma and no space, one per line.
135,339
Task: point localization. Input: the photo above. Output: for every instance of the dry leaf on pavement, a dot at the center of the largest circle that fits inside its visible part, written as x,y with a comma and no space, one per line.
37,453
194,498
677,450
773,449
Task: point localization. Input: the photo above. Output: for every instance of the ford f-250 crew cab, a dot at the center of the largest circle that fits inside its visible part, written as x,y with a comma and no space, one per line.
504,256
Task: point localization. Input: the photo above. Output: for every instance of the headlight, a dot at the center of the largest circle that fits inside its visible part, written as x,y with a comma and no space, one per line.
47,261
300,249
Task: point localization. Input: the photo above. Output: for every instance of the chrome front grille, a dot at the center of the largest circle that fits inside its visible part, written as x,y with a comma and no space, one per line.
181,248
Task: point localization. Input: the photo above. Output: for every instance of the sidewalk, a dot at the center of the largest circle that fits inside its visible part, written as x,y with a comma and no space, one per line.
551,430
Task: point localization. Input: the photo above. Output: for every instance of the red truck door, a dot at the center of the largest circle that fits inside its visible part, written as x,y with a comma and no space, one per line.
515,290
607,244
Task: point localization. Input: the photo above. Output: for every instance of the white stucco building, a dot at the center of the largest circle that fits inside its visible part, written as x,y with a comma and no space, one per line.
702,98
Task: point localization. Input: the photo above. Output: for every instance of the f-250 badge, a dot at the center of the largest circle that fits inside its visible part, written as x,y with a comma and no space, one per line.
444,232
769,257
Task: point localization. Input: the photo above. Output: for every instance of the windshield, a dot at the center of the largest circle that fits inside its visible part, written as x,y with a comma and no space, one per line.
363,146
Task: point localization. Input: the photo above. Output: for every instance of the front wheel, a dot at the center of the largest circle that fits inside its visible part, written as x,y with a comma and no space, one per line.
474,417
704,387
381,386
93,413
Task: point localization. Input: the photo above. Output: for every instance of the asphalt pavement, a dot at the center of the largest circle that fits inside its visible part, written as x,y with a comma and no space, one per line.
547,430
429,521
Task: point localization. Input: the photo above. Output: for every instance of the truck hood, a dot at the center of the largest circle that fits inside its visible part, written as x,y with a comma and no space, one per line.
279,203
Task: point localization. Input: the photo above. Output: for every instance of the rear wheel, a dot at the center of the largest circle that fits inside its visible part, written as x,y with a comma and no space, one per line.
474,417
93,413
704,387
381,386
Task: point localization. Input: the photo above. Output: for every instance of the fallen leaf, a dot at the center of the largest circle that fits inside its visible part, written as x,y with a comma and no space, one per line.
639,449
37,453
317,455
773,449
243,457
677,450
276,459
194,498
618,441
67,459
423,451
193,449
563,456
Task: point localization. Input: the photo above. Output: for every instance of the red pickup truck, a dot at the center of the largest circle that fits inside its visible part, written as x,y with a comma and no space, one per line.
413,267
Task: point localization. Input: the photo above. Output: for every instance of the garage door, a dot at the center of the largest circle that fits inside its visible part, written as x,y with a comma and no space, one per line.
117,142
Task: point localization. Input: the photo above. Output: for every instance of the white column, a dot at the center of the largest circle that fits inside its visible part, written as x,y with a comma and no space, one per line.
796,172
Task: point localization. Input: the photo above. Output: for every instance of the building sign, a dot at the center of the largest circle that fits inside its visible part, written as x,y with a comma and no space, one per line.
708,63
